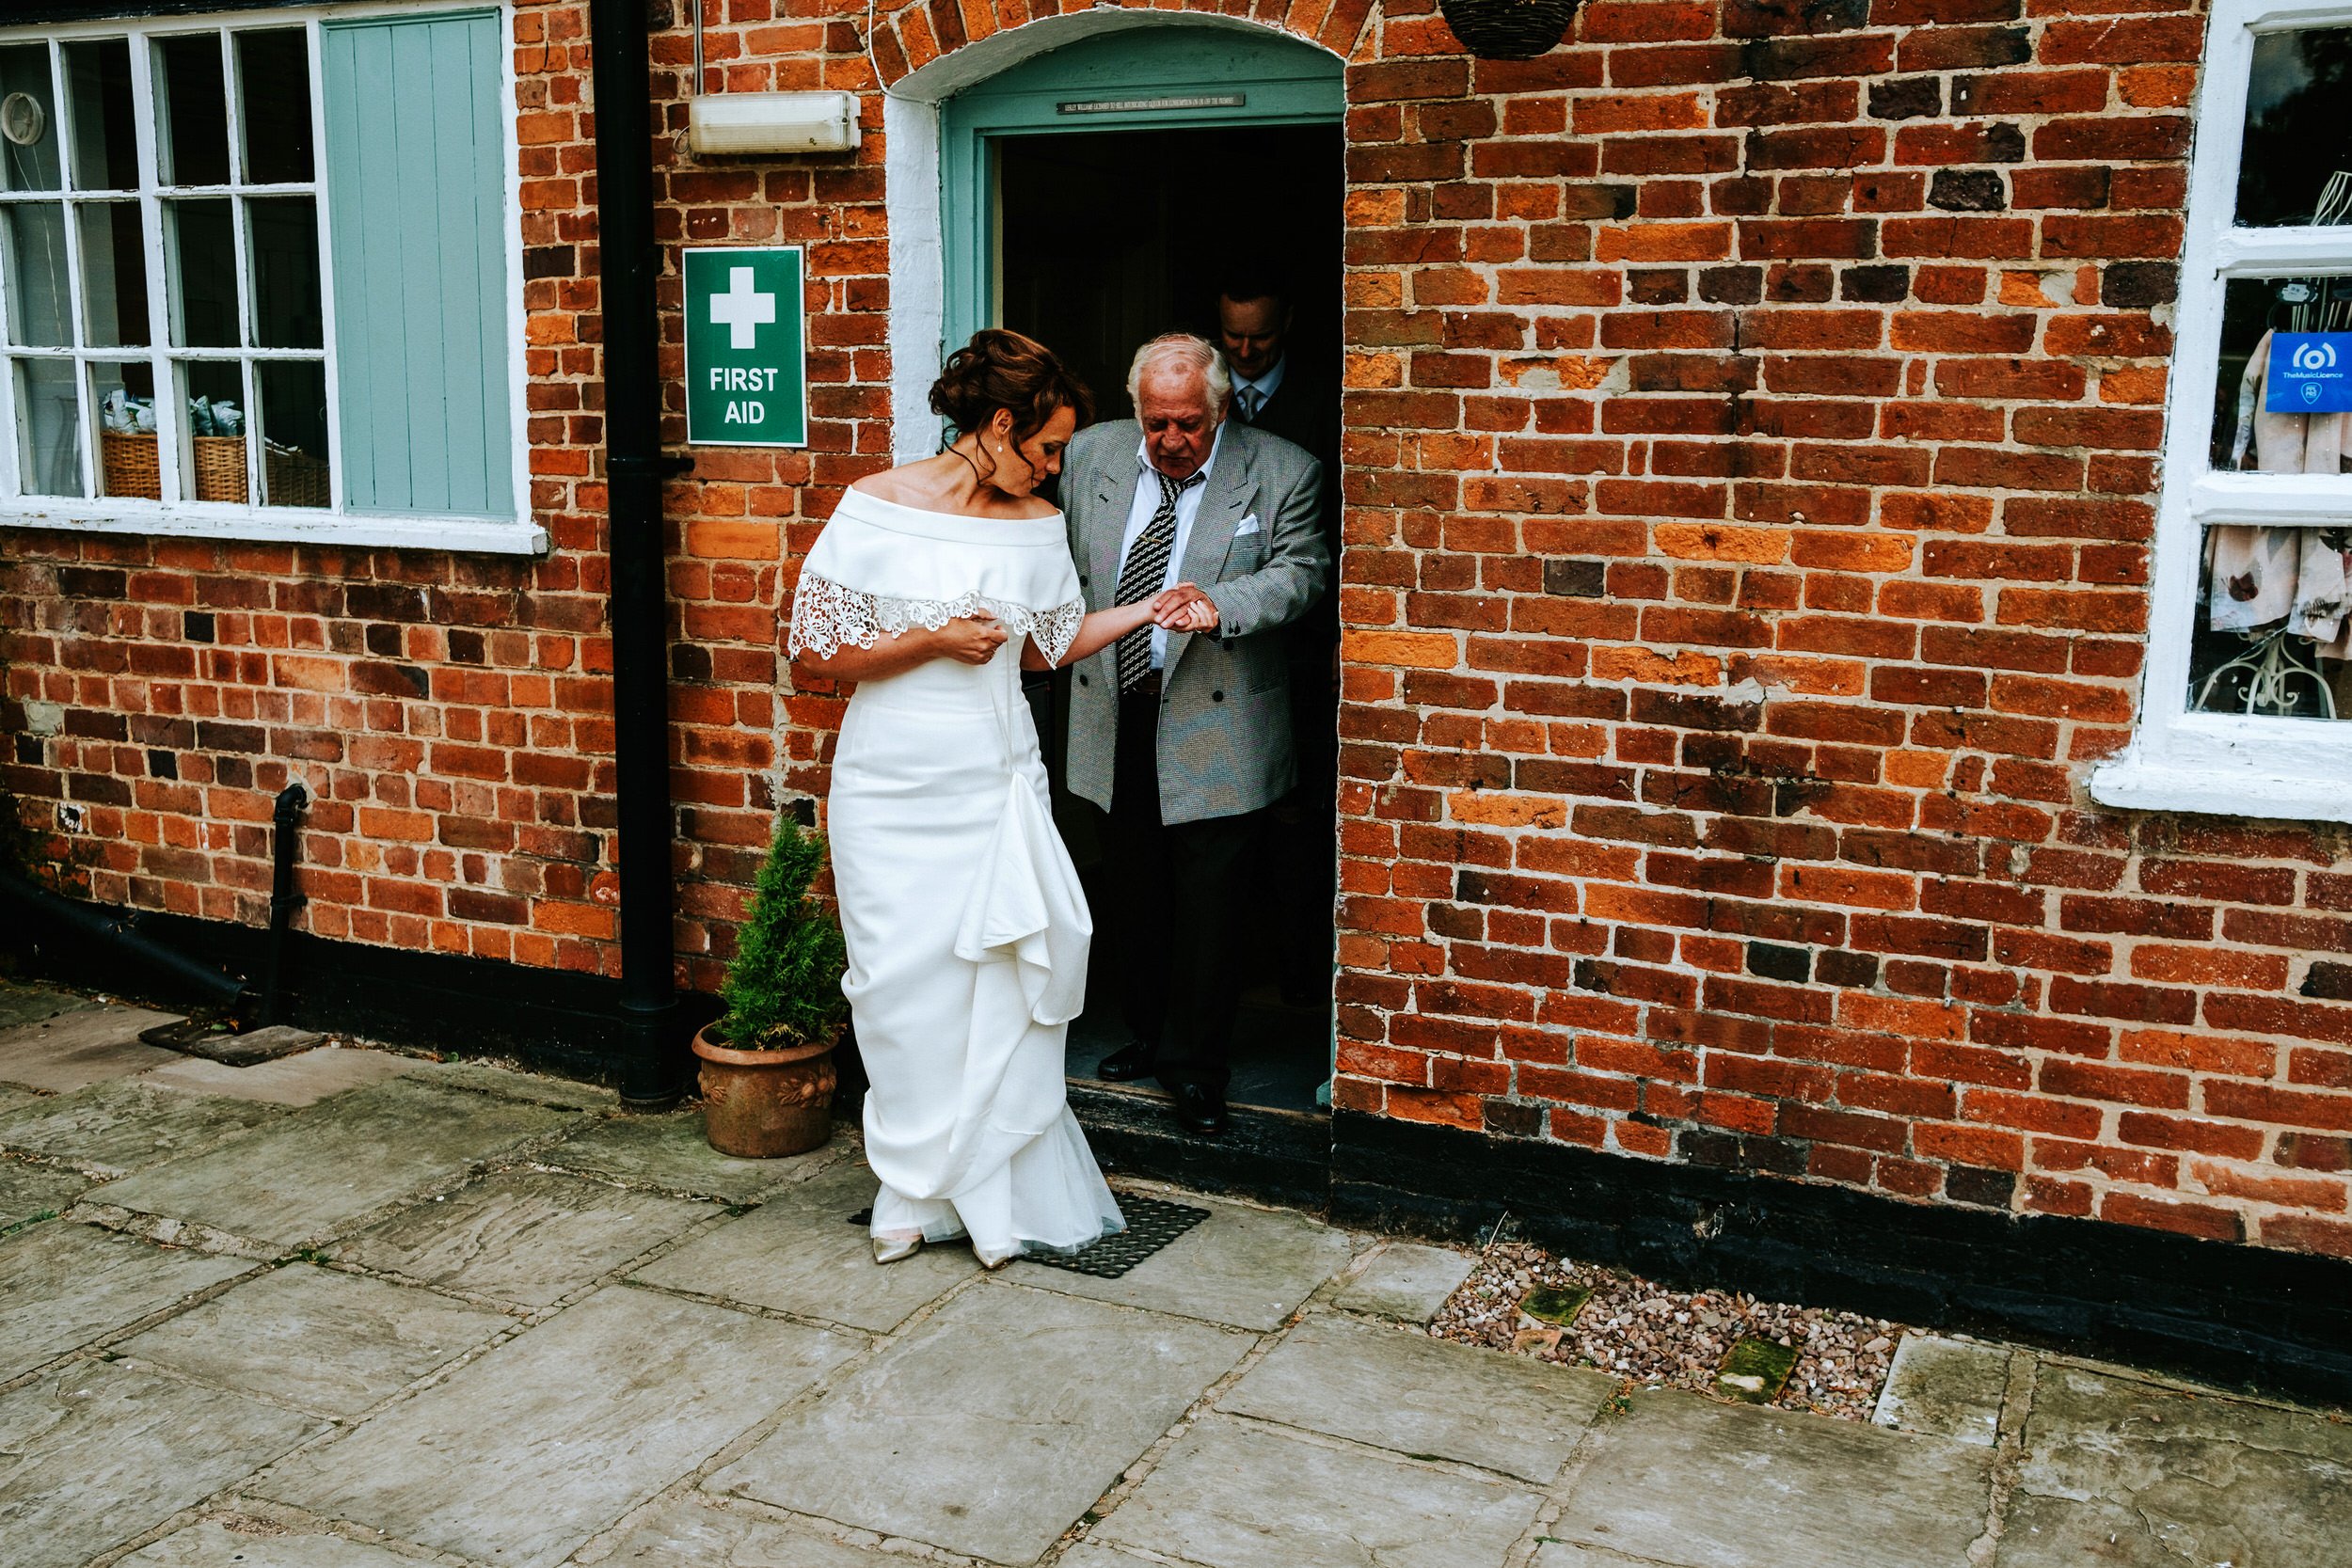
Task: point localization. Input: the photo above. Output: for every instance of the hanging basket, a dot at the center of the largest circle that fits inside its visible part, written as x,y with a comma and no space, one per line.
1508,29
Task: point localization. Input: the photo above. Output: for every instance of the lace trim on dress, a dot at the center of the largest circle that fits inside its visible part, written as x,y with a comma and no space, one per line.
827,616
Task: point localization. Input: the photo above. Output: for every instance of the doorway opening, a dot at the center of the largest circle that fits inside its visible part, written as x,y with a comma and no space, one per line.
1095,197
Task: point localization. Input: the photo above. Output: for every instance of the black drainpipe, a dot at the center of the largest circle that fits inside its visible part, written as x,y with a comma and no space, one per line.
286,820
650,1073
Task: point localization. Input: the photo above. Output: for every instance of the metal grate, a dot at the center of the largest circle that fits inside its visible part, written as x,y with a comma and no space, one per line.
1152,1224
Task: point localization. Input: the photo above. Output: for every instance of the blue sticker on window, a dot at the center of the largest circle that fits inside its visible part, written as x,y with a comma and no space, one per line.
2310,372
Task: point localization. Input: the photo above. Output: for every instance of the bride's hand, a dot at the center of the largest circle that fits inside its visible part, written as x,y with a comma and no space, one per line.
970,639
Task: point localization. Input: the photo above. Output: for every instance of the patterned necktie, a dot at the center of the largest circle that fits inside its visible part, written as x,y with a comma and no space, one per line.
1146,572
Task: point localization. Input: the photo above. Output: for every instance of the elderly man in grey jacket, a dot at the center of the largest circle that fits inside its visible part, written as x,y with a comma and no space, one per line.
1181,733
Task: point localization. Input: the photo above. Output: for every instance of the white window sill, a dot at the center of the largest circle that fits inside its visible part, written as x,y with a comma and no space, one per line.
471,535
2135,785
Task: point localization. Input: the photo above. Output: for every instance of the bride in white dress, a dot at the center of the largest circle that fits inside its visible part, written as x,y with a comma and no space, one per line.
930,587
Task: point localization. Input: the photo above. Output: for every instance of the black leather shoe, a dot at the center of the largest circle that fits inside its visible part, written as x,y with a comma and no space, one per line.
1199,1109
1125,1065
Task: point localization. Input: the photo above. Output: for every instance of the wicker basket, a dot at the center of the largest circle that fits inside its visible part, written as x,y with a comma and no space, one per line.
294,477
133,466
220,463
1508,29
128,465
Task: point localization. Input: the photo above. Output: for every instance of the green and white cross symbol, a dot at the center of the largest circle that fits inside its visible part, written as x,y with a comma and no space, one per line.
746,367
742,310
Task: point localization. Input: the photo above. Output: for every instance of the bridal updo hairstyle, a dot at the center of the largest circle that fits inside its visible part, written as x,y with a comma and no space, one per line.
1004,369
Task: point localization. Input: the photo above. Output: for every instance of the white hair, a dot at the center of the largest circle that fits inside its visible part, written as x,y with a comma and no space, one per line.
1182,350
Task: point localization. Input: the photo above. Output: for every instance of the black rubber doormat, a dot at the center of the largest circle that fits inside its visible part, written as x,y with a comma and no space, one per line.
1152,1224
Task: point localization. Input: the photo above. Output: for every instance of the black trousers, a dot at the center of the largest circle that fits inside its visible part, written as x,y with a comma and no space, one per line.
1179,912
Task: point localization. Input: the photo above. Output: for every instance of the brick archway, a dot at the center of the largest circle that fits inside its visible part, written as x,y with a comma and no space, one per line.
911,45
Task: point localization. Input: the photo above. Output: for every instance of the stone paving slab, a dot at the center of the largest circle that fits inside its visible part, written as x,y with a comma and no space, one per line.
304,1177
1567,1554
991,1428
669,1152
303,1079
797,1253
127,1124
1247,1267
1233,1495
209,1544
1094,1554
81,1047
98,1453
27,1190
692,1532
508,1084
326,1340
1688,1481
522,1456
1408,1281
1946,1388
528,1238
31,1003
63,1285
1396,1389
2144,1473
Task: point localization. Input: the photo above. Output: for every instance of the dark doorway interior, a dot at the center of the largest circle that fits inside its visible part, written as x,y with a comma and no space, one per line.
1113,238
1108,239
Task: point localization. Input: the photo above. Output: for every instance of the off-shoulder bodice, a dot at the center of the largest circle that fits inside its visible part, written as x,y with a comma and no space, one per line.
879,567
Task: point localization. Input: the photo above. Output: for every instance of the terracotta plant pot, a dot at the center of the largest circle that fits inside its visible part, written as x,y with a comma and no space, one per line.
761,1105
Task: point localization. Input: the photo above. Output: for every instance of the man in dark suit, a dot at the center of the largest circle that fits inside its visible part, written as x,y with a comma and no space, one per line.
1284,394
1182,736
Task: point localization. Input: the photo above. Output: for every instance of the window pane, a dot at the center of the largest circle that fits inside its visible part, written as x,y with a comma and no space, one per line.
201,238
192,103
48,428
212,439
284,230
124,396
29,128
2273,636
105,149
114,275
2255,425
32,245
273,75
294,431
2297,133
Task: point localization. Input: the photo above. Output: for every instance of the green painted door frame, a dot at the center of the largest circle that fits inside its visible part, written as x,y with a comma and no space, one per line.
1168,77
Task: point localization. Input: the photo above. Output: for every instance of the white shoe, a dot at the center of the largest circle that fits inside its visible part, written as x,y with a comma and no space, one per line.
892,1249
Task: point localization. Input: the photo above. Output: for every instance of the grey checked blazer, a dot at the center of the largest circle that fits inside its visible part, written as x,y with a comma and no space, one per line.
1224,716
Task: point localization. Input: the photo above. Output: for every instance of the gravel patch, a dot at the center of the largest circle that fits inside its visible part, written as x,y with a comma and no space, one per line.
1650,1334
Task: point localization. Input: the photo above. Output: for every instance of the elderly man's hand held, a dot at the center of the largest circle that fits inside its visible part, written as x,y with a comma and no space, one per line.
1184,608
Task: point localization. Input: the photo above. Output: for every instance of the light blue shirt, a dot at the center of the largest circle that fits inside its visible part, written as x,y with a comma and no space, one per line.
1139,516
1260,389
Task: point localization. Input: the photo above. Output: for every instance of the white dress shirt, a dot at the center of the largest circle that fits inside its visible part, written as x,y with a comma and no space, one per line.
1260,389
1147,503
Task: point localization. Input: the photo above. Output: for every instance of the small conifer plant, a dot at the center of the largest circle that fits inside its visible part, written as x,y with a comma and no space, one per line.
784,988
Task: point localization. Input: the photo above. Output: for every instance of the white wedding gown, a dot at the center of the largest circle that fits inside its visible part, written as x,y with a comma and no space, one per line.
967,929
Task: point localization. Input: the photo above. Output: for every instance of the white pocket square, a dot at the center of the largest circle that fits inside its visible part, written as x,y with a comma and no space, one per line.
1248,524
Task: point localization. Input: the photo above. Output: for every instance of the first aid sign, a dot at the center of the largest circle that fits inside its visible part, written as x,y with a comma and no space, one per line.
746,349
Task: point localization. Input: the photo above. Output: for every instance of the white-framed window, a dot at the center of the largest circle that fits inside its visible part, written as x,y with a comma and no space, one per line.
260,278
2248,708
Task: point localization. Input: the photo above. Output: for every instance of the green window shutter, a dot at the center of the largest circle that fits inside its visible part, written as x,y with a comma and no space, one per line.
416,153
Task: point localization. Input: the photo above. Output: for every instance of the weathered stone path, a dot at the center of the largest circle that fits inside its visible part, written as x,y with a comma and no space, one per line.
351,1309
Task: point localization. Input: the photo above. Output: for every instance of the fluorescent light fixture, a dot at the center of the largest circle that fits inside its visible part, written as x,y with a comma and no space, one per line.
740,122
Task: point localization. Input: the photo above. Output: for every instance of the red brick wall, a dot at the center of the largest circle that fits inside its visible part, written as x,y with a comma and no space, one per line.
1754,418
